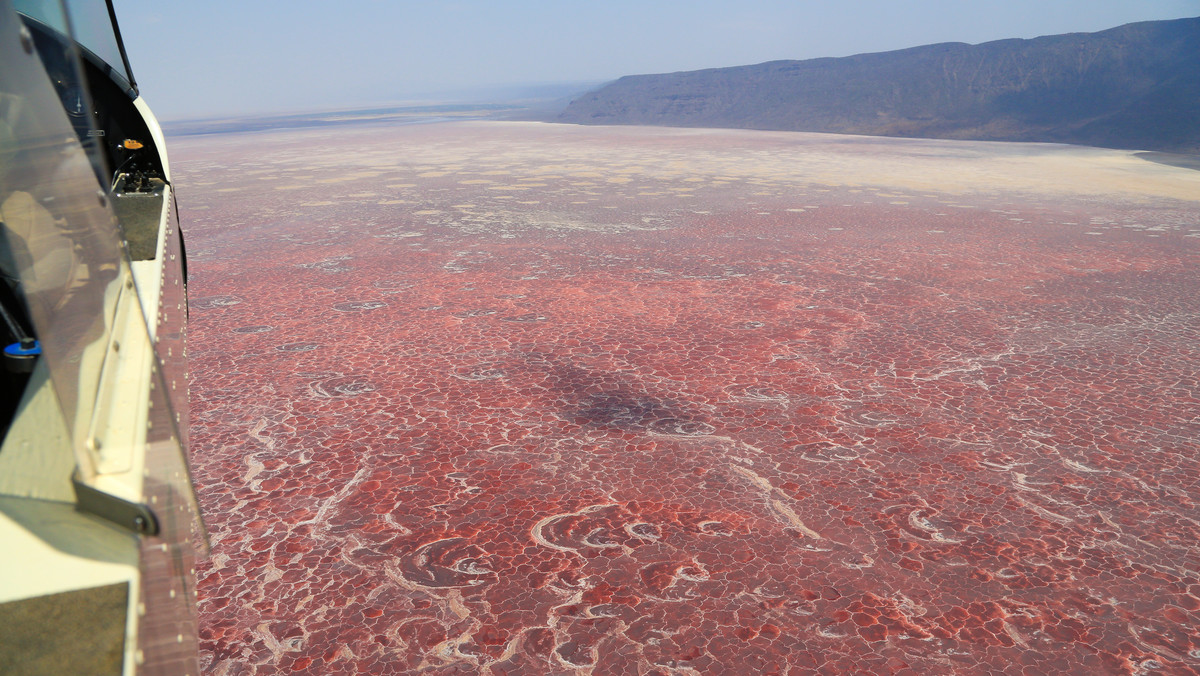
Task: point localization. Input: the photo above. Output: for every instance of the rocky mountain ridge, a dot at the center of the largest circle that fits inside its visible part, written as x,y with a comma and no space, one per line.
1134,86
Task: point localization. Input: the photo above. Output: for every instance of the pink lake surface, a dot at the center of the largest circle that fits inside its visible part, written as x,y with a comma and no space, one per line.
518,398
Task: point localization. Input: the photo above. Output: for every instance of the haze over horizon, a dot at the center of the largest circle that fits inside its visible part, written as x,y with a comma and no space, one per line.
271,57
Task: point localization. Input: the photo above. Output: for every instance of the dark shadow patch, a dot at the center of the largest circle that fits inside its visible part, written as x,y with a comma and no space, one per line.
598,399
616,409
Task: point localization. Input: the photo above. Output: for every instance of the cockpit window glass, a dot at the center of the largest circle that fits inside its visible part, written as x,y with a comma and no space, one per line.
50,12
93,28
90,25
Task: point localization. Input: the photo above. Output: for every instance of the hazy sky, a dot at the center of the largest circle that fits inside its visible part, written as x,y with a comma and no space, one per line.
195,59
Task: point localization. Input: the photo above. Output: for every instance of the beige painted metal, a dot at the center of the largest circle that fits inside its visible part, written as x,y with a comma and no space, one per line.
36,459
156,133
64,550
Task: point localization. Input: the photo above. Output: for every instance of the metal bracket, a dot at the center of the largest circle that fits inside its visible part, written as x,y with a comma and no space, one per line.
135,516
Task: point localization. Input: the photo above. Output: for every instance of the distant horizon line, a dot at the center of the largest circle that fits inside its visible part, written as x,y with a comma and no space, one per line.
513,95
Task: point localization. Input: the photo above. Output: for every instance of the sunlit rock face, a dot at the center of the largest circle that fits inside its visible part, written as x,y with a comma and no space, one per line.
514,398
